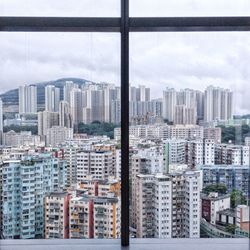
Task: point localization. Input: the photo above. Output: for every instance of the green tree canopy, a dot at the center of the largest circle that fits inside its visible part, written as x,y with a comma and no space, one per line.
237,198
96,128
218,188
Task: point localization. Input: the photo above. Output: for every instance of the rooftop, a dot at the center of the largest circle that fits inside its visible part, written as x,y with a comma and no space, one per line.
213,196
228,211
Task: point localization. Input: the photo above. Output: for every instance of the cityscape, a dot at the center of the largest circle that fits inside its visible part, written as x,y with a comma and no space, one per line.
60,162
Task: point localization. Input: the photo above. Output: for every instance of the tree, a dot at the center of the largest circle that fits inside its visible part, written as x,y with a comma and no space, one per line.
230,133
96,128
218,188
231,228
237,198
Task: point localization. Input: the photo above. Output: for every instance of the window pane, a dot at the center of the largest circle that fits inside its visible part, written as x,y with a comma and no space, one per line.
60,167
171,8
189,134
74,8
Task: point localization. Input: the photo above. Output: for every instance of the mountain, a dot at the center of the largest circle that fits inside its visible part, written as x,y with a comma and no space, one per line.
10,97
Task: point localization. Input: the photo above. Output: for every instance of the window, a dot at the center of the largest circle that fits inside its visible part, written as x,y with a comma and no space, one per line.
157,60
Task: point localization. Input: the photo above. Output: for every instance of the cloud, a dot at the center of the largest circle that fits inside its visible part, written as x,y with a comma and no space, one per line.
193,60
35,57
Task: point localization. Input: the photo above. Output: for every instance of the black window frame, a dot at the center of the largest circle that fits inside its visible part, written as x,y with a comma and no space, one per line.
124,25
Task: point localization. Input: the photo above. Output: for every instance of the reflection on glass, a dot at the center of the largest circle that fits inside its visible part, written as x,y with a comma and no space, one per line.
60,167
189,135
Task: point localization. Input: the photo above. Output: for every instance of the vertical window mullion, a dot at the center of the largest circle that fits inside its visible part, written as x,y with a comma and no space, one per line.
125,122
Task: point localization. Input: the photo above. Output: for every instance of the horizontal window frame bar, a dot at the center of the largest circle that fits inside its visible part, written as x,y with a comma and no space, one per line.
59,24
113,24
189,24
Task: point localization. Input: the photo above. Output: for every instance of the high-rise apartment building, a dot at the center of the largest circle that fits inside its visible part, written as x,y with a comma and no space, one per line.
140,94
69,85
57,215
28,179
95,211
155,107
181,106
229,154
174,152
27,99
96,165
168,104
81,218
191,189
70,156
116,111
65,119
200,104
143,207
46,120
95,217
52,98
76,104
97,108
167,206
194,153
218,104
209,152
185,115
186,97
162,206
101,101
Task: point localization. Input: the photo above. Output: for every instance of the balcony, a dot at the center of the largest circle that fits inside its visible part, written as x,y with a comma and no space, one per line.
135,244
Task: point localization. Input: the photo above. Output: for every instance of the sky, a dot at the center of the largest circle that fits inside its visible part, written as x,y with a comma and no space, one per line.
157,60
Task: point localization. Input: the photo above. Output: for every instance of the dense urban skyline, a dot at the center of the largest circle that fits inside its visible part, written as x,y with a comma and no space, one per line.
178,167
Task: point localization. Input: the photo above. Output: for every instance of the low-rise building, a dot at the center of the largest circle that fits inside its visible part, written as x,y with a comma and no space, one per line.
212,204
24,138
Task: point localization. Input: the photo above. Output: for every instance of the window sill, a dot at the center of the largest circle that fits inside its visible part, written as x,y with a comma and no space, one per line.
135,244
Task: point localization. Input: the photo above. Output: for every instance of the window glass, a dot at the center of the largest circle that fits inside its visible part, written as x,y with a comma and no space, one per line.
189,134
74,8
59,105
171,8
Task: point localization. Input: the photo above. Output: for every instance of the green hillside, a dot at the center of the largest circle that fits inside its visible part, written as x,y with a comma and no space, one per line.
11,96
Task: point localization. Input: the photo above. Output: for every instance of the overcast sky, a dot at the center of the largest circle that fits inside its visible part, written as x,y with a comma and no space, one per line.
158,60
